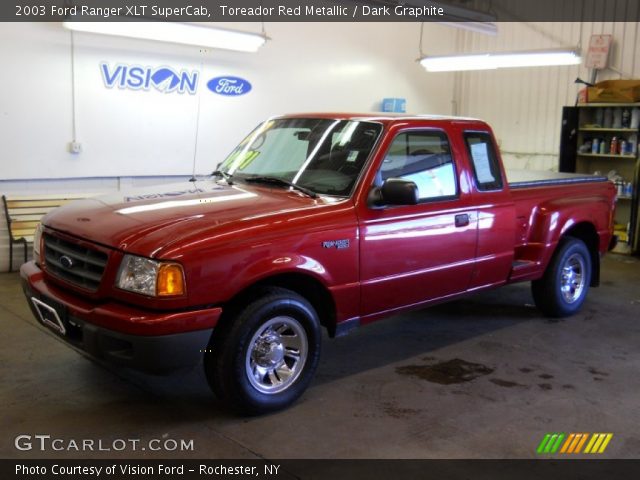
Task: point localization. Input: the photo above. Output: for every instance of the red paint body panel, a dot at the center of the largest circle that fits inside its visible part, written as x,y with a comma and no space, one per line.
227,238
549,212
121,317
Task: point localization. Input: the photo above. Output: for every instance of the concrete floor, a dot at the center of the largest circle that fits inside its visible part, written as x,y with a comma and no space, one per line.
374,395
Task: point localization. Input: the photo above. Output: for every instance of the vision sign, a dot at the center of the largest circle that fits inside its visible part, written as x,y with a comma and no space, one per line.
168,80
138,77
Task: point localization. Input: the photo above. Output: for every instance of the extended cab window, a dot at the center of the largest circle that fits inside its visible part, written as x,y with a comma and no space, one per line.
484,159
423,157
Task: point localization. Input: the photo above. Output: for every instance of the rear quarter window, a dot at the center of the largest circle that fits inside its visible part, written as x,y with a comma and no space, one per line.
486,169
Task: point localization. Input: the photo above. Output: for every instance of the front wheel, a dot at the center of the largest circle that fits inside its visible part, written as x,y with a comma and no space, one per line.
267,354
564,286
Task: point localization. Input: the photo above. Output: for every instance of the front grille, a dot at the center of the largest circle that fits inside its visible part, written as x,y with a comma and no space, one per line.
74,263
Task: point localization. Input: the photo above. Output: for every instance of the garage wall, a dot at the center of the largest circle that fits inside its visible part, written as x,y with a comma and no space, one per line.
524,105
125,132
128,136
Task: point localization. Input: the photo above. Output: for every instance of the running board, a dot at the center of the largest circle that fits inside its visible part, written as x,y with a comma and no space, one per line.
520,264
522,268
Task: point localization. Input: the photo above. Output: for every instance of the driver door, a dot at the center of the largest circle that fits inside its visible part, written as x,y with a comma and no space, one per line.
414,253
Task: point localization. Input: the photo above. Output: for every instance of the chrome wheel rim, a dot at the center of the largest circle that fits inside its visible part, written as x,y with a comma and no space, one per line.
573,279
276,355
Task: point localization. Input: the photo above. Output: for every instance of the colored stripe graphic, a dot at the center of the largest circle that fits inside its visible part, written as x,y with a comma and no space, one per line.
582,441
598,443
577,443
568,442
550,443
556,445
573,443
543,443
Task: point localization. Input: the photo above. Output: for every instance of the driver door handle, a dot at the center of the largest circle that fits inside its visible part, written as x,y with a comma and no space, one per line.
462,220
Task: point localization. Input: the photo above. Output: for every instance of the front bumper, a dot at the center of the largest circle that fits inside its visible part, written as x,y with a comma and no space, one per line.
155,342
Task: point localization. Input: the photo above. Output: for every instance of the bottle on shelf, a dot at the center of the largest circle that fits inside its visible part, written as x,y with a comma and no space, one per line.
608,117
628,189
619,184
626,118
617,118
603,147
599,118
635,118
613,149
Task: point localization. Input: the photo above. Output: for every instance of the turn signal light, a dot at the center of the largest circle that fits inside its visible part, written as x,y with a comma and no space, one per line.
170,281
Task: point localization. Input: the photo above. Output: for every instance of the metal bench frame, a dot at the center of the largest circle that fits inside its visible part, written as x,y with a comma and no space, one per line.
41,204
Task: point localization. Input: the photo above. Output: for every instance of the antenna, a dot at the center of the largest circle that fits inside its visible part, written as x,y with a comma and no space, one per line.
195,145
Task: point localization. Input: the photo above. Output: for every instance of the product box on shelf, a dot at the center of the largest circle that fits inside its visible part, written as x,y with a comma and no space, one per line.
612,91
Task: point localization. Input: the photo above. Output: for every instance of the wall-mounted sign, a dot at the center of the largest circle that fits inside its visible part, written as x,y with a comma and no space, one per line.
598,53
137,77
168,80
231,86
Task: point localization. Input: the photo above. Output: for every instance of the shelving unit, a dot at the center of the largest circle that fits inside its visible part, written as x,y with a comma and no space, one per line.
613,130
607,155
583,124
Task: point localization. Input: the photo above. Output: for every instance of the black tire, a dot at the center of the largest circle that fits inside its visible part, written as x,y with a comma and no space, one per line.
564,286
254,339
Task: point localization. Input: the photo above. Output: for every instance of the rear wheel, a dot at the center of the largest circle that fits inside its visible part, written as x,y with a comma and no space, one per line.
564,286
266,355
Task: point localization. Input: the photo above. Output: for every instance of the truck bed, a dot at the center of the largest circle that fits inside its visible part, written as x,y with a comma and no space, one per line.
542,200
529,178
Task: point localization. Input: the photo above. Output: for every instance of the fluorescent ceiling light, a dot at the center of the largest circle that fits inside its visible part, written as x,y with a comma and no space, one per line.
487,28
492,61
183,33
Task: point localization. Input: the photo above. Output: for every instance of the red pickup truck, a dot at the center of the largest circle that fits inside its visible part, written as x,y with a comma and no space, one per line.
323,220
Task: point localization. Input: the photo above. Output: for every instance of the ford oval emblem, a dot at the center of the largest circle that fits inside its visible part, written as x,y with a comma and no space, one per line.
66,262
230,86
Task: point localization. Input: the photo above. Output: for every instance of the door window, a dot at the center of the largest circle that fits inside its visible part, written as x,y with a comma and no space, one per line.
423,157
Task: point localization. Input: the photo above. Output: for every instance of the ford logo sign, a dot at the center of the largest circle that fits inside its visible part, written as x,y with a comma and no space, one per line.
66,261
230,86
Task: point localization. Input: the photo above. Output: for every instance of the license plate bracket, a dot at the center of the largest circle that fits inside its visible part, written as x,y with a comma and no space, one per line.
50,316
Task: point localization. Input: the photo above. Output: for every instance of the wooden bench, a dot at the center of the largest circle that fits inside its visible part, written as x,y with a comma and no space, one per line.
23,213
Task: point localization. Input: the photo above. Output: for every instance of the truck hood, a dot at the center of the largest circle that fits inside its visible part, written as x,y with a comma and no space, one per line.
143,221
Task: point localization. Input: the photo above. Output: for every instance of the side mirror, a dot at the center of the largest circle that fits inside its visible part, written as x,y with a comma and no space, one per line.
395,191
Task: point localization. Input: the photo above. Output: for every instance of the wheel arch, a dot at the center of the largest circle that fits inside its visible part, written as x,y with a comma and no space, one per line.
587,233
307,286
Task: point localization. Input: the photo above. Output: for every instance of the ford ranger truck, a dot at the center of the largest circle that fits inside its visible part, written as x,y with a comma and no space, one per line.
314,221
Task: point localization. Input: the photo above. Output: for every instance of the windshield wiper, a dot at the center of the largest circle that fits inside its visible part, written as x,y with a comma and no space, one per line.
282,182
224,175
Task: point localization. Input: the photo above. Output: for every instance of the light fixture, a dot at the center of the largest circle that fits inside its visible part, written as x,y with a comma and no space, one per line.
486,28
183,33
492,61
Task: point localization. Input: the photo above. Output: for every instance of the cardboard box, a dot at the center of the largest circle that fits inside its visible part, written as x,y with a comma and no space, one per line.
614,91
582,96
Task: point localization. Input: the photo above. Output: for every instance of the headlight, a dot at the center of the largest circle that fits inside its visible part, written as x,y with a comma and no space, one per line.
37,239
150,277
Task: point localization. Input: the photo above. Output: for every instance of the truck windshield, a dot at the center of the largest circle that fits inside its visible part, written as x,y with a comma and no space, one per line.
322,156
